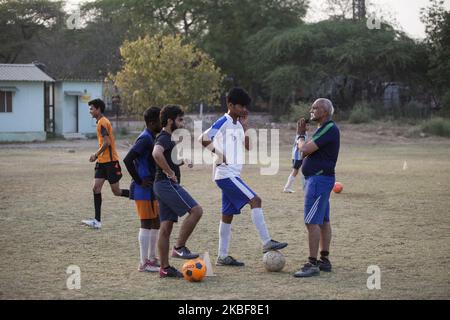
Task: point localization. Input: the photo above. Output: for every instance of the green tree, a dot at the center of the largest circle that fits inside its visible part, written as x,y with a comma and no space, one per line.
315,55
437,21
162,69
24,23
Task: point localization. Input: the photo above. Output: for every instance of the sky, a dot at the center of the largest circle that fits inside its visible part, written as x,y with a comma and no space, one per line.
406,13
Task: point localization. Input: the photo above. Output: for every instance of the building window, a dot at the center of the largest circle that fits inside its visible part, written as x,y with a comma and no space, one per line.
5,101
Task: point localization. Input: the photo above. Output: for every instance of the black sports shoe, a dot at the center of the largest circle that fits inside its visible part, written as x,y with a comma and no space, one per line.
308,270
170,272
324,264
183,253
229,261
274,245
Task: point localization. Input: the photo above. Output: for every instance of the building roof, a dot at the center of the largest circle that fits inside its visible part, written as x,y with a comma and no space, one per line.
23,72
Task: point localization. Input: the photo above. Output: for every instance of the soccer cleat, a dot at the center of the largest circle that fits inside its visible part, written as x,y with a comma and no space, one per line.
288,191
149,266
229,261
324,264
308,270
274,245
183,253
92,223
170,272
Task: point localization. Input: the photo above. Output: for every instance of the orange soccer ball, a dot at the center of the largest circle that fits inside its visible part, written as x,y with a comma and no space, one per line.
194,270
338,187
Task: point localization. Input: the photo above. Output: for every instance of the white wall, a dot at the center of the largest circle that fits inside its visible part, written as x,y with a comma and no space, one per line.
27,108
63,115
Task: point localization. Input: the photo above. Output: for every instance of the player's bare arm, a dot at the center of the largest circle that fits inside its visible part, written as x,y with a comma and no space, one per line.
305,147
105,145
207,143
158,155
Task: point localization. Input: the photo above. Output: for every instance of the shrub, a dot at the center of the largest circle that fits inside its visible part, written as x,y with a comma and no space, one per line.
361,113
296,112
438,127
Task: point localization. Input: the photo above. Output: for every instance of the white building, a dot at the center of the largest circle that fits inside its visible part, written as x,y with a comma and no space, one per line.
33,104
26,105
72,118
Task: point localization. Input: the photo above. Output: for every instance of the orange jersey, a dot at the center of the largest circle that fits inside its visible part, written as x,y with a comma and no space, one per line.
104,128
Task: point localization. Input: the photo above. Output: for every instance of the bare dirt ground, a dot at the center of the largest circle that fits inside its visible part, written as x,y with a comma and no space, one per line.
396,219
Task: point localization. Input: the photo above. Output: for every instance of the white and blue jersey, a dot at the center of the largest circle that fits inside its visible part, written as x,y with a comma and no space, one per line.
296,154
228,137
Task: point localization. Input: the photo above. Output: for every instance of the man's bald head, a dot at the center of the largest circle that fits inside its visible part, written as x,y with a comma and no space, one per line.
326,104
322,110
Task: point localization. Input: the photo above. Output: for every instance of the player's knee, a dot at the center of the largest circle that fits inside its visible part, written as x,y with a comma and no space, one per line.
197,212
164,232
96,189
256,202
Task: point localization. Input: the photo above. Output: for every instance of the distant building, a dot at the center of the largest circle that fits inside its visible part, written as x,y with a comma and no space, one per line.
72,118
33,104
26,104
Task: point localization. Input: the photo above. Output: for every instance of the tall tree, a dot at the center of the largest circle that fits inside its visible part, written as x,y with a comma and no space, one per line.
23,24
162,69
437,21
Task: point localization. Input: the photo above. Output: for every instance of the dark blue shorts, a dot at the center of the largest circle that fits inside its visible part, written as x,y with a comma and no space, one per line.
235,195
173,200
317,199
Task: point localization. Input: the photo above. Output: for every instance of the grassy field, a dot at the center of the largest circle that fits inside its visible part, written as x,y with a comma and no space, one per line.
396,219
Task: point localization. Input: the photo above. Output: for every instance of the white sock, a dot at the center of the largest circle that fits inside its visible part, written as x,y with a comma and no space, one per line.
154,233
224,238
289,182
258,221
144,241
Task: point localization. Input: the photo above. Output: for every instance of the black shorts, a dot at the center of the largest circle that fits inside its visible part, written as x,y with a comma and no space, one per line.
110,171
296,164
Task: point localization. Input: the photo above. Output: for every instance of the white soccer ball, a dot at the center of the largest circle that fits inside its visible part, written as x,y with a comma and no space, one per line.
274,261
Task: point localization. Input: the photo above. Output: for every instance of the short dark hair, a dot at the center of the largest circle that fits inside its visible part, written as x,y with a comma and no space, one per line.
98,104
151,115
237,95
170,112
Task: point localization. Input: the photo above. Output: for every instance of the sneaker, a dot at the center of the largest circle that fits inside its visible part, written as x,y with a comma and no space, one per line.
308,270
229,261
288,191
170,272
183,253
149,266
324,264
273,245
92,223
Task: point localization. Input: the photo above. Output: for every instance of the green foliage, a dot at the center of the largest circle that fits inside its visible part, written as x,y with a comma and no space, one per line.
162,70
415,110
437,126
361,113
23,25
437,22
296,112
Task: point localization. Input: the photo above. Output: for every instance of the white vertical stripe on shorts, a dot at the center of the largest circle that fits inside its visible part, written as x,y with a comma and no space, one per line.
241,187
313,211
180,196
